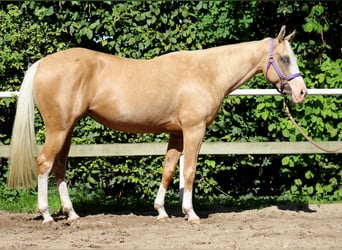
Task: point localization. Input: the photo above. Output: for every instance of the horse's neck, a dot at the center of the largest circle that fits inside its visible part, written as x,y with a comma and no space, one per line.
236,64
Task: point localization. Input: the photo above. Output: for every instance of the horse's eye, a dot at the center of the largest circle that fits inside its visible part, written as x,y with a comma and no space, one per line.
285,59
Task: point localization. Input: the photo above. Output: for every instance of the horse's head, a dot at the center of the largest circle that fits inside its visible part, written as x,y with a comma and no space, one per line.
282,69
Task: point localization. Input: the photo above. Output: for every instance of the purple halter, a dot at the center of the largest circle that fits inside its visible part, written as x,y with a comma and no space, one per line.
283,79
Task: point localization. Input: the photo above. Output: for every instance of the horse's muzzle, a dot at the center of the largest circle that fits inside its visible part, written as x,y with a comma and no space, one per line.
297,90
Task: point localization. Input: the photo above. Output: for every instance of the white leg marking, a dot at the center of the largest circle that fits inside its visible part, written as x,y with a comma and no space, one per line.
181,178
43,198
159,203
65,200
188,209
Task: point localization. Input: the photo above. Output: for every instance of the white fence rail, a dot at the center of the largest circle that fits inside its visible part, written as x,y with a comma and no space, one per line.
215,148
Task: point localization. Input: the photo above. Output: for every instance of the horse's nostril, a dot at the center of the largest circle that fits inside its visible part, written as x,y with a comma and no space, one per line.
303,93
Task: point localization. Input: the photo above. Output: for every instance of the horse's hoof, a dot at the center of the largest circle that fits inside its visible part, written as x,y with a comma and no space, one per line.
196,221
163,218
48,222
191,216
73,218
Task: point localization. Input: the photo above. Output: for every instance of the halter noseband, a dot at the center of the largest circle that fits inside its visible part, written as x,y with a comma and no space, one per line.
283,79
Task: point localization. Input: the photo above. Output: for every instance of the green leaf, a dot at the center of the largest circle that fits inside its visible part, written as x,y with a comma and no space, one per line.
308,26
50,11
264,115
309,174
310,190
298,182
285,160
319,188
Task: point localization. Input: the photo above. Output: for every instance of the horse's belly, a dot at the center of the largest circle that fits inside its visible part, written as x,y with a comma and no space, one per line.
139,119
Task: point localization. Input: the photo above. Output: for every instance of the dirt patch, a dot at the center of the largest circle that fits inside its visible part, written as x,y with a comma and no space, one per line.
276,227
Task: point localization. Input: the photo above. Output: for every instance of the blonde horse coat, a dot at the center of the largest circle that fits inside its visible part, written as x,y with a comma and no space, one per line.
178,93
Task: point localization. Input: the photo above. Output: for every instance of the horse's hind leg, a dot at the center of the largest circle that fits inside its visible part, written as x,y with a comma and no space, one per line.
44,169
174,150
59,170
53,156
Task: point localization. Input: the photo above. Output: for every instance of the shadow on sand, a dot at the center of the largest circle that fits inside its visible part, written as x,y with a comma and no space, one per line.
203,210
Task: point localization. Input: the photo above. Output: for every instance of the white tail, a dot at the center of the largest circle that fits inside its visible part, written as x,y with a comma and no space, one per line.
23,149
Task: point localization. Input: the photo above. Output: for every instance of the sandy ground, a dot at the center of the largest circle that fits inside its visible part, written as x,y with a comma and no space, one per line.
275,227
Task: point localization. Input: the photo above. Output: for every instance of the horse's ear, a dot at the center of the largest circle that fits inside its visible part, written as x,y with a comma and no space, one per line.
281,34
291,36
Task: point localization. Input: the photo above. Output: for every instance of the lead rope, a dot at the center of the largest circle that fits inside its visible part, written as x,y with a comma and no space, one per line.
287,111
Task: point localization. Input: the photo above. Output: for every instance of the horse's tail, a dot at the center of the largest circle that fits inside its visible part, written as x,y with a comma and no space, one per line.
23,149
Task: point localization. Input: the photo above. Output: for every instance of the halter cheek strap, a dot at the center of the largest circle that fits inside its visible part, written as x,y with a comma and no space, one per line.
283,79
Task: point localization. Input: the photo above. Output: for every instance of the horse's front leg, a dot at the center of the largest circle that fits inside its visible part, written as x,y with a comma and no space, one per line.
192,144
174,150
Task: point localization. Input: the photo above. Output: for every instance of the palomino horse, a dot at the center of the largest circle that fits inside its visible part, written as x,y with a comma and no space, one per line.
178,93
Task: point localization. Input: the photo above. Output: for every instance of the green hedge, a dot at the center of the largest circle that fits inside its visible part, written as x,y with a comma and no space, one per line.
142,29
